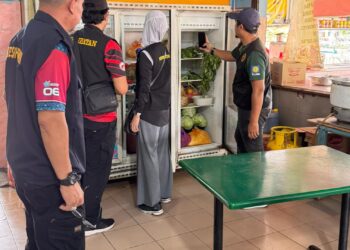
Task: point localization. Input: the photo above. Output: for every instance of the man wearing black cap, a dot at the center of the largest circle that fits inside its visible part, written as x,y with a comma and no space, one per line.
252,84
102,66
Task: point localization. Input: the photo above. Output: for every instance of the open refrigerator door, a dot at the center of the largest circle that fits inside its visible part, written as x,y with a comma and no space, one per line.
231,114
199,114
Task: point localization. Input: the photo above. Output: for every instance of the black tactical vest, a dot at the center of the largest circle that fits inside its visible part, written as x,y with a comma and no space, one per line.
242,88
160,91
91,44
25,149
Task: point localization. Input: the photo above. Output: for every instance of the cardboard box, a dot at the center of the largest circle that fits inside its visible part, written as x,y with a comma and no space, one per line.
307,136
288,73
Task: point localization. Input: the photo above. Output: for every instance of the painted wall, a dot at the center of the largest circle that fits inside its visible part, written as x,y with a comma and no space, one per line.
10,23
247,3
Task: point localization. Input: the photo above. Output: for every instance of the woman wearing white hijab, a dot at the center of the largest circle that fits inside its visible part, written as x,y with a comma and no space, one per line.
151,119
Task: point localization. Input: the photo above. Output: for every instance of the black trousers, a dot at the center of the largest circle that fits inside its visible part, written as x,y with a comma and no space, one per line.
47,226
100,139
244,143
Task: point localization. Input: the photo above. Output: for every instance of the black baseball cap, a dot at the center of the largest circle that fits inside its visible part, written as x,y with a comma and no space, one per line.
95,5
249,17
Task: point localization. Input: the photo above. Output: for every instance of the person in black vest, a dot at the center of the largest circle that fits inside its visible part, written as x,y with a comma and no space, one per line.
151,119
45,140
252,83
101,63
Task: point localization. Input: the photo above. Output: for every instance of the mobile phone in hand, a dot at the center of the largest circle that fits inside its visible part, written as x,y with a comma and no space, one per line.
201,39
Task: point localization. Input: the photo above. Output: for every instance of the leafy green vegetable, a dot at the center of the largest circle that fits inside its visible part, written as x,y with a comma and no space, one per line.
190,75
199,121
210,65
186,122
191,52
189,112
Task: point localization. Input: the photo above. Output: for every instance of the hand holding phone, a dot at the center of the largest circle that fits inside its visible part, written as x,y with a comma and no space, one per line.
201,39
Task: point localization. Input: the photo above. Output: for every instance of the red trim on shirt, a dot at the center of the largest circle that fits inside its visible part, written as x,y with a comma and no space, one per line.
113,59
52,79
106,117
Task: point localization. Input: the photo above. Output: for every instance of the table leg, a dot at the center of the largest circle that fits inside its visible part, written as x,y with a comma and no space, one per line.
344,222
218,224
321,138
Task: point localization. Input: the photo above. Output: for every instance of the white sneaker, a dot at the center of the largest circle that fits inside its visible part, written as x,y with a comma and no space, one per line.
165,200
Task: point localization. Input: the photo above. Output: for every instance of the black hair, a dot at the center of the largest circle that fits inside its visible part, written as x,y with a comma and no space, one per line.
248,30
93,16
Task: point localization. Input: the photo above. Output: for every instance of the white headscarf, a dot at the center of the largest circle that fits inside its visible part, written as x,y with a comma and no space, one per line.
155,27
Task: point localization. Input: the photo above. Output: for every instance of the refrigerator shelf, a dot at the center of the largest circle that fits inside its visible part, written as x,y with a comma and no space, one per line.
195,80
196,106
191,59
203,153
199,148
130,61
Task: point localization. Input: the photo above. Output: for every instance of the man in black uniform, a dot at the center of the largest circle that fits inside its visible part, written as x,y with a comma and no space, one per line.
45,141
101,65
252,84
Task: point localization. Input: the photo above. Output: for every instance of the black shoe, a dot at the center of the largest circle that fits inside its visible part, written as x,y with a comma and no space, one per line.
103,226
155,210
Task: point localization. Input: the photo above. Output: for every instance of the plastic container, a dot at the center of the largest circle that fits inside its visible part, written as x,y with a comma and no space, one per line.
272,121
283,137
203,101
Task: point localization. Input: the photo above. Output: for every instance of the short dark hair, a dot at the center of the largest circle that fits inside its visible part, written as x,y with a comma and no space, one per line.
93,16
249,31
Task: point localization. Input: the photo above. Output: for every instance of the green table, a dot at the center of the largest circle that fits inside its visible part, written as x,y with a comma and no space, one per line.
253,179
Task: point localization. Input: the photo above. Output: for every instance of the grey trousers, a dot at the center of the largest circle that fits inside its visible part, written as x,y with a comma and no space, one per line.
154,171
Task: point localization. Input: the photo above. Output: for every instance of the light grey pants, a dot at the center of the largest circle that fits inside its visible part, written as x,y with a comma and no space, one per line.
154,171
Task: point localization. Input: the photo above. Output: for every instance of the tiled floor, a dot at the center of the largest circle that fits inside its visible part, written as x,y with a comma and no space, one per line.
188,222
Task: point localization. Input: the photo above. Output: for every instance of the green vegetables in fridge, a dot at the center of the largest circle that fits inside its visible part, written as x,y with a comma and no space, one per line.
189,112
190,75
191,52
210,65
199,121
186,122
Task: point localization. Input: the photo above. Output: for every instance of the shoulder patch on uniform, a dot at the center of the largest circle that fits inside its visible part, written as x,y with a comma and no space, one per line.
161,58
15,53
255,70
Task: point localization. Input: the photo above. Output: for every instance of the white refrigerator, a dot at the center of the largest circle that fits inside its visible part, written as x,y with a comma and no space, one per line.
126,27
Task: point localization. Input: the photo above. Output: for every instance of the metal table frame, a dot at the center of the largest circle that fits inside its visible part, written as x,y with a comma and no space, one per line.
221,198
343,231
323,131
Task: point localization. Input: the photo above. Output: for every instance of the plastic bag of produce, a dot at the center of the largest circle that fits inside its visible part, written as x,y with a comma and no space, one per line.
185,138
199,137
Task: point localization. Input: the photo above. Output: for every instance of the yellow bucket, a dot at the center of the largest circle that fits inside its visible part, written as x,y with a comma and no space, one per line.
282,137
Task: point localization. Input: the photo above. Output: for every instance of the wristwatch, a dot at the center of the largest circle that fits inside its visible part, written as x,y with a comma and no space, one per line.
212,51
72,178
